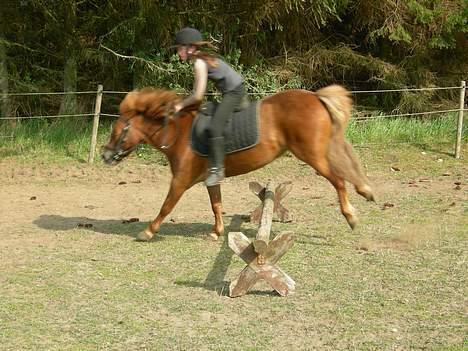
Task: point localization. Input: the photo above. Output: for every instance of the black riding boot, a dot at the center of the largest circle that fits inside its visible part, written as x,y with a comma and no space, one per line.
215,162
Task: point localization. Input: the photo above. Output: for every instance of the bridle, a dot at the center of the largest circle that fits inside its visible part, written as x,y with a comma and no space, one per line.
122,153
175,117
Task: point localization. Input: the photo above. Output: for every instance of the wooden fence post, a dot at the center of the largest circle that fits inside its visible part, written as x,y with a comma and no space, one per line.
460,120
97,114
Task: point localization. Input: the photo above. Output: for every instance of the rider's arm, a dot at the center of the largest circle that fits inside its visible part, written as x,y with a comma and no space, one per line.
199,85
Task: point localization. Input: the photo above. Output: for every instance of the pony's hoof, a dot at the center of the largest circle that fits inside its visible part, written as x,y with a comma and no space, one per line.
366,192
352,222
144,236
212,237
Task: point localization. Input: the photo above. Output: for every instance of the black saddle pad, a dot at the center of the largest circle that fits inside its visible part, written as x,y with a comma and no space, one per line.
241,132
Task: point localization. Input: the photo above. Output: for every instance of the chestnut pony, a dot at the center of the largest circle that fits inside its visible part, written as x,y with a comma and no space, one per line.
311,125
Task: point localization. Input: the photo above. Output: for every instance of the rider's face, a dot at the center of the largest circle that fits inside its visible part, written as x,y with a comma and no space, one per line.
182,52
185,52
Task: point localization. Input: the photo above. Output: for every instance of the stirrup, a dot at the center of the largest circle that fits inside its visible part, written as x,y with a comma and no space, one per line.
215,176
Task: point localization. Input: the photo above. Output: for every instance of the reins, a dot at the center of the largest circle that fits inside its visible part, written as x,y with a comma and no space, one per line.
175,117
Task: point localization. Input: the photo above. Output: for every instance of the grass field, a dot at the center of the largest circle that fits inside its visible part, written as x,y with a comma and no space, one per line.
74,278
69,139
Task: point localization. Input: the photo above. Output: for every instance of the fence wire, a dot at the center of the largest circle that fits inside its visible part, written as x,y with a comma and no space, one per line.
351,91
364,119
357,117
4,96
46,116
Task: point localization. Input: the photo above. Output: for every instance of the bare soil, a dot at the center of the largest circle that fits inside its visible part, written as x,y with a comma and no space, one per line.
73,277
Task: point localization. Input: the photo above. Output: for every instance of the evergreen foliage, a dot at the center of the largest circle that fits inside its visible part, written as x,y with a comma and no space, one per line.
69,45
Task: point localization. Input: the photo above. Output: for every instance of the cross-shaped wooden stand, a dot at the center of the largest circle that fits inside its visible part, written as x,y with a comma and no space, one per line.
261,255
281,212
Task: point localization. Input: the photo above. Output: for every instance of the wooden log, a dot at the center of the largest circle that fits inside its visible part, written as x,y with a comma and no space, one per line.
280,281
258,190
268,270
279,246
244,282
263,235
281,192
242,246
261,255
279,211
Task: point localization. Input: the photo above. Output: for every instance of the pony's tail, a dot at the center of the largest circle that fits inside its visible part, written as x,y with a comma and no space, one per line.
341,157
338,102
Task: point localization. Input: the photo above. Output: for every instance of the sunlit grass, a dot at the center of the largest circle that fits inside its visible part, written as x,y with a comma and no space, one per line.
70,138
439,130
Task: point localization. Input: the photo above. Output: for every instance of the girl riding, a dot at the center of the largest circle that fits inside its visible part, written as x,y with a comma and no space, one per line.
190,44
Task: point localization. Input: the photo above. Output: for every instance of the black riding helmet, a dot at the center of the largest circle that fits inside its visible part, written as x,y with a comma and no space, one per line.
188,36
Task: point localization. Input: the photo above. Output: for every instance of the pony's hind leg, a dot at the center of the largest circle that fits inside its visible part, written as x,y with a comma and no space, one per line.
347,209
322,166
365,191
358,177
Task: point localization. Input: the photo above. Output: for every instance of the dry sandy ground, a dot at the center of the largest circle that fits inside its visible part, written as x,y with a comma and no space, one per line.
418,208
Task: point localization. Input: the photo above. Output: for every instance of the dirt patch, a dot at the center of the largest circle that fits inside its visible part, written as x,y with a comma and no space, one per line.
412,236
73,274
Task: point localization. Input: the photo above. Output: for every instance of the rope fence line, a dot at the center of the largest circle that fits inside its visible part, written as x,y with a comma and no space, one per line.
358,118
352,91
4,96
367,145
403,89
47,116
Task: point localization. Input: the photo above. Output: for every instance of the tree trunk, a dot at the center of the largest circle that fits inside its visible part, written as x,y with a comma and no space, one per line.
69,102
5,101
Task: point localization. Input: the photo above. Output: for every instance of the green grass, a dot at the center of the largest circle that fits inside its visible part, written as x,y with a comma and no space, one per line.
438,130
398,282
59,139
67,139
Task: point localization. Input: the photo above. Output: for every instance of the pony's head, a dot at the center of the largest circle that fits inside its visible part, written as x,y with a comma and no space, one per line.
143,114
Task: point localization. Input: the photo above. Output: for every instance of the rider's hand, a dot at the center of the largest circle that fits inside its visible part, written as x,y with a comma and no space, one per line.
177,107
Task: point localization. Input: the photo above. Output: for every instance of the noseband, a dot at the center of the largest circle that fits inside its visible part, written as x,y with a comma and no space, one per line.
118,146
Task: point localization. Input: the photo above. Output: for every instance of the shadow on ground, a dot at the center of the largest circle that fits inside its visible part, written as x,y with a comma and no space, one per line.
117,226
215,280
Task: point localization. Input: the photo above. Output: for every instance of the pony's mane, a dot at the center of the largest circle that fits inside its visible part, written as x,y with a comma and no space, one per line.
153,103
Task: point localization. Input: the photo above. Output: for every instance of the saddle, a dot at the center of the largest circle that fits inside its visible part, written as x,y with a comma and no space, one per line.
241,132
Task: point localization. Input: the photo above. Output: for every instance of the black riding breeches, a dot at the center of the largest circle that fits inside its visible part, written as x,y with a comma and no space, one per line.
231,100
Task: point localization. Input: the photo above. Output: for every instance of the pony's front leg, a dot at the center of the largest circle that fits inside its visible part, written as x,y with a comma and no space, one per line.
176,190
217,207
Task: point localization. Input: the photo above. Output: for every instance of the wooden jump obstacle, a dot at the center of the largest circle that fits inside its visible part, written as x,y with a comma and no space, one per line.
261,255
281,212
